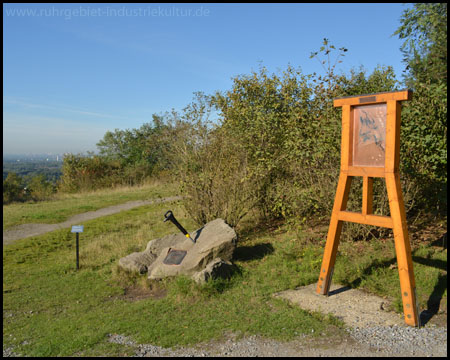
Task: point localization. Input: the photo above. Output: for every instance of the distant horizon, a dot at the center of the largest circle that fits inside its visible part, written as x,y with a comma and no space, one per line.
44,154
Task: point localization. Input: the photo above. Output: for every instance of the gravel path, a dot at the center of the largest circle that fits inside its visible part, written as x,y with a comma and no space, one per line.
376,341
379,341
27,230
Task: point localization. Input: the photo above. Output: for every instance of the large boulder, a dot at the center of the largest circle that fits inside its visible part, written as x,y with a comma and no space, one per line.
214,240
208,258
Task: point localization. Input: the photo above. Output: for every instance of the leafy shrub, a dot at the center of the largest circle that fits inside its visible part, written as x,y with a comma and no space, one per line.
210,166
40,189
13,189
423,30
83,173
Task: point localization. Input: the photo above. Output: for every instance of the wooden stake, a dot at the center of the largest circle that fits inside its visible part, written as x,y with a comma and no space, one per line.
334,233
402,249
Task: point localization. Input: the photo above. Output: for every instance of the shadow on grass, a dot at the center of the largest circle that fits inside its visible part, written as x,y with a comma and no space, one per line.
376,264
434,300
442,241
255,252
436,263
436,295
260,228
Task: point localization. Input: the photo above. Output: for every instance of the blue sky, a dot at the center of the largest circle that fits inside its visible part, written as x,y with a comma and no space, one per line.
71,72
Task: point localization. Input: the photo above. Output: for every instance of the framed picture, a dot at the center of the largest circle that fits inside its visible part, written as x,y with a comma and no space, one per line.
369,135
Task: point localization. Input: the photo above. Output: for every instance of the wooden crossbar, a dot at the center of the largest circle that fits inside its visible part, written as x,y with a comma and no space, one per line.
374,220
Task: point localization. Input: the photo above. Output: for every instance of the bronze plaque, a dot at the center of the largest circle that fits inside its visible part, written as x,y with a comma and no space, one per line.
174,257
367,99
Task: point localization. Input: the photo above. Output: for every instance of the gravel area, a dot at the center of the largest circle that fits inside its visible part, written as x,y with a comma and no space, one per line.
356,308
404,340
9,352
378,341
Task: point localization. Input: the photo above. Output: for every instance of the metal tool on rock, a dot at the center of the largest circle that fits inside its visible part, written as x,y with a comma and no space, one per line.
175,257
169,216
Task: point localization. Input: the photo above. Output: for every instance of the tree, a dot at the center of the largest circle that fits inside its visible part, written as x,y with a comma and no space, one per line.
128,146
424,119
424,31
137,148
12,188
39,188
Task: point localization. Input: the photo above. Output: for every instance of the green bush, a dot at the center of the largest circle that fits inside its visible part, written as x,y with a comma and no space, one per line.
209,165
13,189
84,173
290,134
424,146
423,30
40,189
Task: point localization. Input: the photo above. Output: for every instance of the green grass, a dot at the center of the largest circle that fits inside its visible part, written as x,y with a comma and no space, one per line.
50,309
373,266
58,311
67,205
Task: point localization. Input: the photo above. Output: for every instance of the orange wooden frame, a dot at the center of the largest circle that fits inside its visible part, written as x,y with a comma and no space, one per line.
390,172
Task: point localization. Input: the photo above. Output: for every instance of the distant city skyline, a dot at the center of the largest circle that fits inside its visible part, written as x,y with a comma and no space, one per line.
33,156
72,72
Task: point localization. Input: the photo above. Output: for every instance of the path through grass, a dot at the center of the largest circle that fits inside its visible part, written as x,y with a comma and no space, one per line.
67,205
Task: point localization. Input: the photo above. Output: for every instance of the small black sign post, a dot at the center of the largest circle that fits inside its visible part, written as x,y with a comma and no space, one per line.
77,229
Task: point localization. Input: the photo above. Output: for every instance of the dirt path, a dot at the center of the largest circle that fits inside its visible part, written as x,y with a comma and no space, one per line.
27,230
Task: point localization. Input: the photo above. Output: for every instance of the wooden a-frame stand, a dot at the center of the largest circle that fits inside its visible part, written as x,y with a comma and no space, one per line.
389,170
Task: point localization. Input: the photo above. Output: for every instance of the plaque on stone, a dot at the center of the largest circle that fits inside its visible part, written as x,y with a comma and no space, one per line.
174,257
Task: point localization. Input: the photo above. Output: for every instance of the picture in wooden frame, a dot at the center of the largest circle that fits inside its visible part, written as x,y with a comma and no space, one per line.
369,135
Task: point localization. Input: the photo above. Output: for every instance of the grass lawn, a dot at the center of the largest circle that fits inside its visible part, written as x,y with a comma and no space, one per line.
50,309
64,206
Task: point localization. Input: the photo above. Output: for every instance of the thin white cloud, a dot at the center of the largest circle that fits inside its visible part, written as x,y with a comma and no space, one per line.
60,108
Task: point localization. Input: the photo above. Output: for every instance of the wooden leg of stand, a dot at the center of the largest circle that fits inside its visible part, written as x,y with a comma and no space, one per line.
402,249
367,204
334,232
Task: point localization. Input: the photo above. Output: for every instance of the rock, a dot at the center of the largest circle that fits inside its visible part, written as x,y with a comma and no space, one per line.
137,262
217,268
155,246
215,240
140,261
208,258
